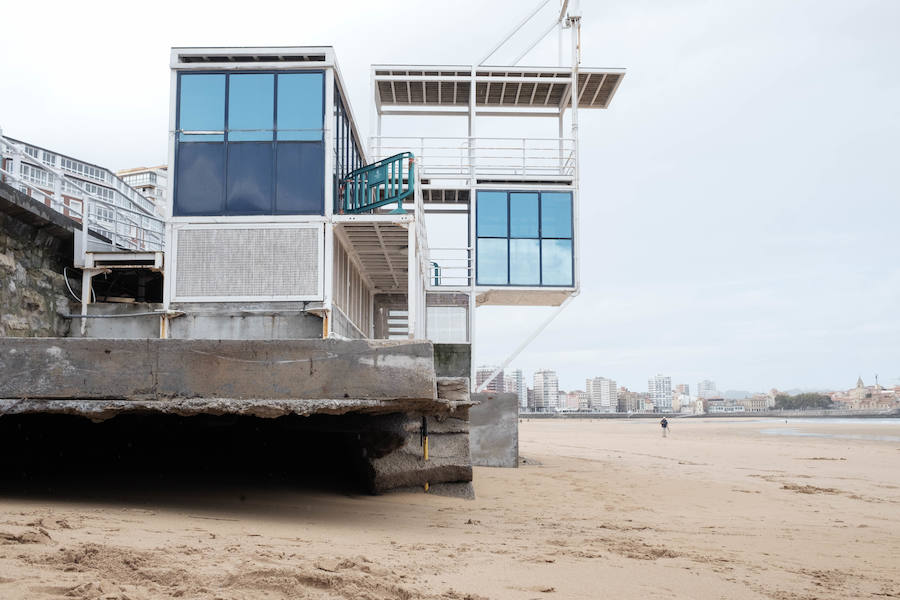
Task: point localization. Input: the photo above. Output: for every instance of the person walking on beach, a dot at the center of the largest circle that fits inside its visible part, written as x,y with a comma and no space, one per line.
665,426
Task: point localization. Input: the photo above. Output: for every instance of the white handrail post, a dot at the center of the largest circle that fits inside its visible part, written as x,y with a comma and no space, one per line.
524,173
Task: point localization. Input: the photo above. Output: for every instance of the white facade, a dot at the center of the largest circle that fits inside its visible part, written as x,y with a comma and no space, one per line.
546,390
707,389
514,382
151,182
660,389
602,394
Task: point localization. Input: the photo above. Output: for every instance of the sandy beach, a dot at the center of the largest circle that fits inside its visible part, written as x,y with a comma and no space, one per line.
723,508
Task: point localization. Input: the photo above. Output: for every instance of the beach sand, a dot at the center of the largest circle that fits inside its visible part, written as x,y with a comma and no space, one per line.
600,509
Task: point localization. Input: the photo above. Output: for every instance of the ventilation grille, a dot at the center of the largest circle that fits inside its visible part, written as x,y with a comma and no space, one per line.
248,263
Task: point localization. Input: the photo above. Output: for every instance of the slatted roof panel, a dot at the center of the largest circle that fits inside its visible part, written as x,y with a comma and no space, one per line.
407,86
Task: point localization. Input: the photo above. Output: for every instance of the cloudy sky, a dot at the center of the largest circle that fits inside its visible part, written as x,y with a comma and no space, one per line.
740,204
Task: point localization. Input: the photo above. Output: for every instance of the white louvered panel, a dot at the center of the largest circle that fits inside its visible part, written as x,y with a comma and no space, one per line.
234,262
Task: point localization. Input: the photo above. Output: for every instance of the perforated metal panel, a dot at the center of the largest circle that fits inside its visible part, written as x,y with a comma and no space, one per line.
246,263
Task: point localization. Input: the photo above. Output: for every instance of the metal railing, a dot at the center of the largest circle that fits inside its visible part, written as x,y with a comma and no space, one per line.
379,184
450,267
125,228
463,157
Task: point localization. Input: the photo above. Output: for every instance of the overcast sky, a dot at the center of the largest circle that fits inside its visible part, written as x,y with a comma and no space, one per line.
740,199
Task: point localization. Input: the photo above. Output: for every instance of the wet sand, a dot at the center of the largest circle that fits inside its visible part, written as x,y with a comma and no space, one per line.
600,509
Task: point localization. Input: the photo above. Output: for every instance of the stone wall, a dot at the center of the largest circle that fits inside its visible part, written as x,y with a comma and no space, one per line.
32,288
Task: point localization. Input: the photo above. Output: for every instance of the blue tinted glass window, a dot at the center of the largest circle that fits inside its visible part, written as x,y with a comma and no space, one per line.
300,178
524,262
523,215
251,107
492,261
556,262
249,189
556,214
200,178
201,106
491,220
301,106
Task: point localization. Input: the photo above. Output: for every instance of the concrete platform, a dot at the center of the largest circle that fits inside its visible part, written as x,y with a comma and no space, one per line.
380,389
212,370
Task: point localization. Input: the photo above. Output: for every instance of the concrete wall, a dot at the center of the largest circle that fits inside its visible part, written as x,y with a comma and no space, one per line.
494,430
201,322
453,360
33,253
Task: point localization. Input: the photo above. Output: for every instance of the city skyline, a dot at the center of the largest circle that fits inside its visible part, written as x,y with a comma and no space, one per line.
696,387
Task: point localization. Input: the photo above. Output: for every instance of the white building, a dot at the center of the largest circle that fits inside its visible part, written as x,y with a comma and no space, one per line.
707,389
497,384
660,389
514,382
151,182
546,390
602,394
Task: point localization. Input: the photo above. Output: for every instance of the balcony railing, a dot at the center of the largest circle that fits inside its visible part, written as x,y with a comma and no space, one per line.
450,267
118,221
497,158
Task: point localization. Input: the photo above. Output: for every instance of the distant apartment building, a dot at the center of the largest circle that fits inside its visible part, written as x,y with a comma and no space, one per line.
628,401
707,389
546,390
514,382
581,400
562,400
659,388
33,164
681,402
683,388
497,384
151,182
529,399
602,394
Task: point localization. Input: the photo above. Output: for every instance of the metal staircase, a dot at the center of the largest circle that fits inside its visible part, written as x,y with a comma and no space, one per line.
384,182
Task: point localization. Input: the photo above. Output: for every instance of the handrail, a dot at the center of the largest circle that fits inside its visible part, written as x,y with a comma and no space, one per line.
450,267
461,157
126,228
379,184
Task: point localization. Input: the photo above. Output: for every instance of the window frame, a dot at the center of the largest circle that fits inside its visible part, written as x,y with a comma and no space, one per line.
320,210
540,238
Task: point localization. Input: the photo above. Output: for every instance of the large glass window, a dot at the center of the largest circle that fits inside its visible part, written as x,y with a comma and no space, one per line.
524,238
300,107
250,143
492,214
251,107
201,107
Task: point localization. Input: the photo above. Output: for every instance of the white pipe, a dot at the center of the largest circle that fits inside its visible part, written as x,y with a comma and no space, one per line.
535,43
513,32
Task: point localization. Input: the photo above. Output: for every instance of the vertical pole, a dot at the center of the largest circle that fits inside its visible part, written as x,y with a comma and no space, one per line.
412,291
576,169
562,160
472,114
86,275
328,135
328,265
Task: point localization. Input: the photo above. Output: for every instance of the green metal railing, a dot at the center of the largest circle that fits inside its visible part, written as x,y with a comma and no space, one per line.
379,184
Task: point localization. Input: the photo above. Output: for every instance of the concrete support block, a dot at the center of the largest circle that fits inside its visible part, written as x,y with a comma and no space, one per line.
494,430
142,370
405,466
